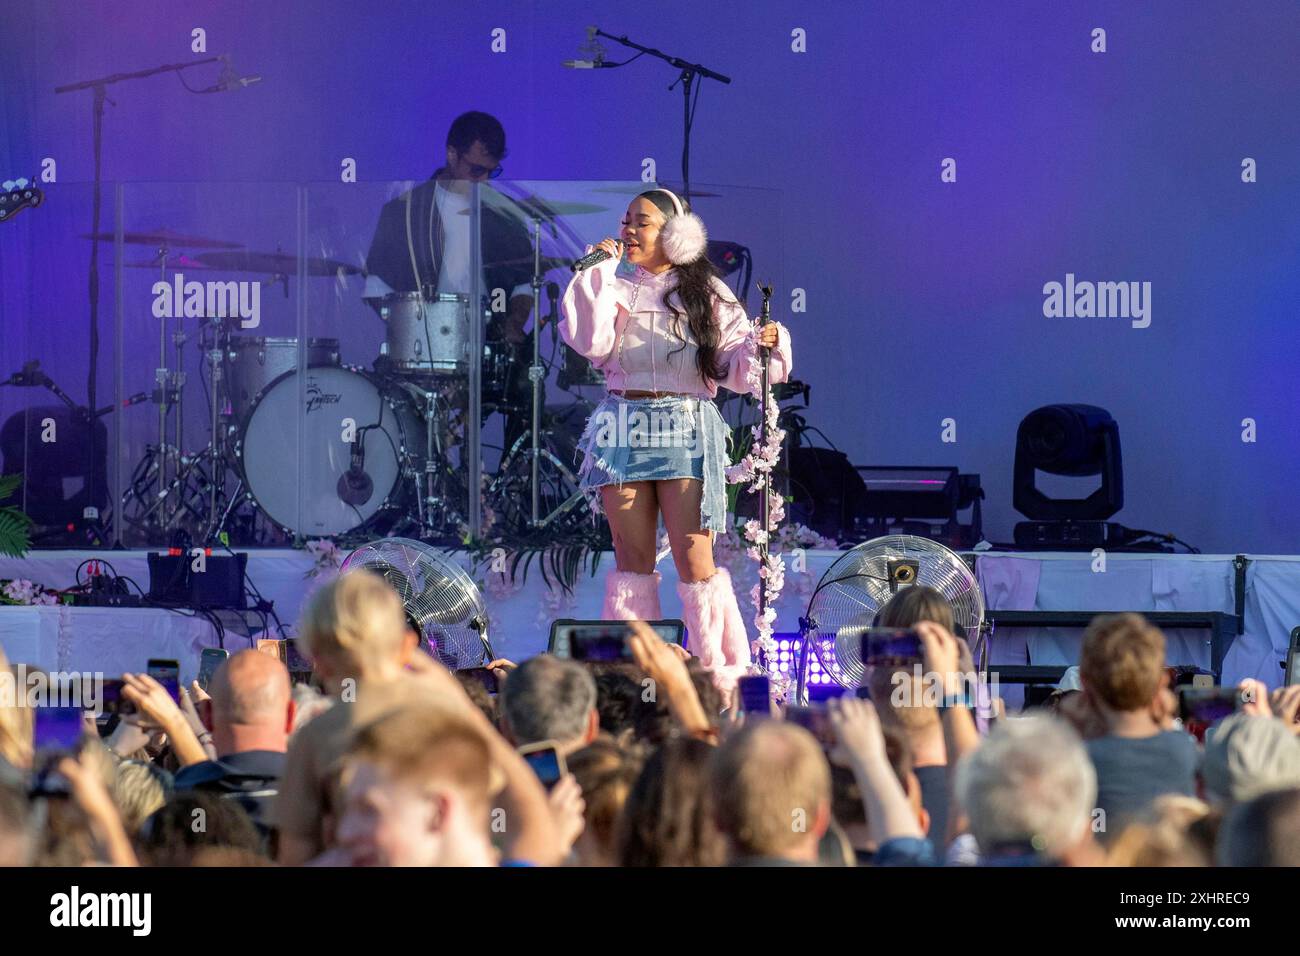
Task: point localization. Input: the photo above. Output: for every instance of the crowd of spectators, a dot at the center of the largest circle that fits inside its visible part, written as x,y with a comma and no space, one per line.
389,759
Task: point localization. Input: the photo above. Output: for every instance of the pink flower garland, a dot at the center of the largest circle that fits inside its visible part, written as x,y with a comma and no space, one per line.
755,469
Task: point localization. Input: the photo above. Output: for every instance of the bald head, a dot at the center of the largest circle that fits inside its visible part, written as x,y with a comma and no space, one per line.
773,789
251,688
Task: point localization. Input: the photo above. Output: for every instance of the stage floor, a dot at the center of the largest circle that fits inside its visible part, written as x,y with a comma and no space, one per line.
112,640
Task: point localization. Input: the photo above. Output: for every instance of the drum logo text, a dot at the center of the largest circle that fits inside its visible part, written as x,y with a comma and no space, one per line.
316,399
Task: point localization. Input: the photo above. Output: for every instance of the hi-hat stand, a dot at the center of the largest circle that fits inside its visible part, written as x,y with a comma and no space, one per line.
537,377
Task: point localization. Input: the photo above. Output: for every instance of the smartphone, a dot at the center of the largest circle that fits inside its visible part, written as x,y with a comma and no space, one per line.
599,644
484,676
168,673
1205,705
57,728
890,646
816,721
546,761
209,661
1291,665
604,640
299,667
755,695
111,700
272,647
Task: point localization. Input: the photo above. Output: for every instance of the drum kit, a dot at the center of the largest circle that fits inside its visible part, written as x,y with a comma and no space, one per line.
270,475
273,471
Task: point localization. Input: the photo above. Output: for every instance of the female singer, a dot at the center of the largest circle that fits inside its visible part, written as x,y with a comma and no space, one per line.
666,331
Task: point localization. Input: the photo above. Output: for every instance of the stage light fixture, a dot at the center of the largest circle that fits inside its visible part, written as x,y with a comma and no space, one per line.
1072,441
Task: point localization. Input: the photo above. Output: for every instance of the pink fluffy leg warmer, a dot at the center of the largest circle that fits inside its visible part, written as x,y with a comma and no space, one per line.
631,597
715,626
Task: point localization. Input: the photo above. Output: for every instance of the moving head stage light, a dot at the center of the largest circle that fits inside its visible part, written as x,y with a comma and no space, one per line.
1074,441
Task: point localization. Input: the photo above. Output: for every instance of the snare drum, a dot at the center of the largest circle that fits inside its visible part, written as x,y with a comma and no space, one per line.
427,332
254,361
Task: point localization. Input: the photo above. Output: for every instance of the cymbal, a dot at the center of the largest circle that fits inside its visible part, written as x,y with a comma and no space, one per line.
164,237
178,261
548,262
544,208
276,263
646,187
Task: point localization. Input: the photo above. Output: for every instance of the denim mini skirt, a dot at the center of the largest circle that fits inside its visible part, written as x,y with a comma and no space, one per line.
654,439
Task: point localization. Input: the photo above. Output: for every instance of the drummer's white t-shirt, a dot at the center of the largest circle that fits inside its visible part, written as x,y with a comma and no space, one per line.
453,210
453,276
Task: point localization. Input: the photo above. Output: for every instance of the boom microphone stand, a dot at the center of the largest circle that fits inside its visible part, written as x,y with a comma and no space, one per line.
100,88
687,76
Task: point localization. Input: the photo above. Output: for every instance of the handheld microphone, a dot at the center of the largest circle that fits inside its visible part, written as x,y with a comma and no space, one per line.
590,259
588,65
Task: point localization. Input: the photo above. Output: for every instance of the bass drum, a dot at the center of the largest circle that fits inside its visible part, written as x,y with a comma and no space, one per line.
339,485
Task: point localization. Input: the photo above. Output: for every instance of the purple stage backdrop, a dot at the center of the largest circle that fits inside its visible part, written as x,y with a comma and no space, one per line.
914,173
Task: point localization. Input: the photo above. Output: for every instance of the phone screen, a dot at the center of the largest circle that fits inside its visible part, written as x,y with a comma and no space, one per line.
600,646
755,695
208,664
1206,705
111,700
483,676
886,646
816,721
546,764
167,673
57,728
605,640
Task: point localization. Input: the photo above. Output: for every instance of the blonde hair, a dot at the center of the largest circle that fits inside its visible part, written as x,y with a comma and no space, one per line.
1165,837
1122,660
16,722
138,791
353,623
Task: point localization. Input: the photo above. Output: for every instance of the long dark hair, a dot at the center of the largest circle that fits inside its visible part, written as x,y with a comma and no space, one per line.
667,818
694,292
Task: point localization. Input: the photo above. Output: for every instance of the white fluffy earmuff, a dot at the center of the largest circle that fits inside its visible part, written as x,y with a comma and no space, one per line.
683,238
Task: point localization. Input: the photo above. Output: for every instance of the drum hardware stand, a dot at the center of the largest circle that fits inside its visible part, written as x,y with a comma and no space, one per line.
498,488
537,376
217,442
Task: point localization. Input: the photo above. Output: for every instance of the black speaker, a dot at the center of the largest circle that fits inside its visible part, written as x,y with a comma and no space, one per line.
828,493
55,489
172,580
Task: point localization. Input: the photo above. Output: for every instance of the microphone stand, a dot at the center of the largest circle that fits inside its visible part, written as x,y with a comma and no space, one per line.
100,88
765,355
689,71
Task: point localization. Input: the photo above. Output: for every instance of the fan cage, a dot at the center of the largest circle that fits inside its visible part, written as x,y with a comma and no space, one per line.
442,603
857,585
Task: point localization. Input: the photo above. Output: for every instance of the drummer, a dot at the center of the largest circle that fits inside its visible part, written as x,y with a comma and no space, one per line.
422,239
